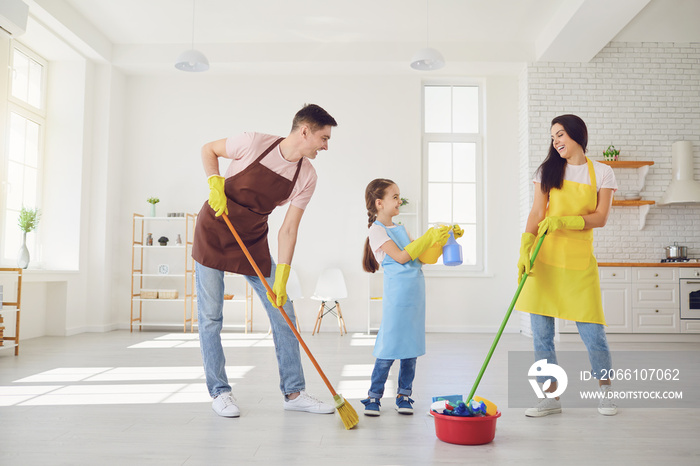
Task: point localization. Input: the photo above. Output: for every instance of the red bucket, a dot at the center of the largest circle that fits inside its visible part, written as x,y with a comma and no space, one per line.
465,430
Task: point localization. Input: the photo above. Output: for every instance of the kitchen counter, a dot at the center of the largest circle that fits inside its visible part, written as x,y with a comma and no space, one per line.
649,264
647,301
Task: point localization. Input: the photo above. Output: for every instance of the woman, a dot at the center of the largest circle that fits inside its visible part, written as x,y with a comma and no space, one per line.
573,195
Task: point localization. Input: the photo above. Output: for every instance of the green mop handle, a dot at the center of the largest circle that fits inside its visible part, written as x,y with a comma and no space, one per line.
505,320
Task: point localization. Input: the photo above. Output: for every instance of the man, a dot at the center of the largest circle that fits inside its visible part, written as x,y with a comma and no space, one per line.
265,172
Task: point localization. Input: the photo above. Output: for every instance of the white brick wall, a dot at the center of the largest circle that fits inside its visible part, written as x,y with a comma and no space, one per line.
641,97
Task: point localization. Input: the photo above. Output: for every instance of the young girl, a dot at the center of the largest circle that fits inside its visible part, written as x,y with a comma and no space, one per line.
402,331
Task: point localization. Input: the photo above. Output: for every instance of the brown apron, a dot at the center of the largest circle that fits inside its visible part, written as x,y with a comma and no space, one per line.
252,195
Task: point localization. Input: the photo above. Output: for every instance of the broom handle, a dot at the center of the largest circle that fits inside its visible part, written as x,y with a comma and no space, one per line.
284,314
505,320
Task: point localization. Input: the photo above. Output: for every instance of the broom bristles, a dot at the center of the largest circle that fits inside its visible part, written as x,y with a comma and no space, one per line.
347,413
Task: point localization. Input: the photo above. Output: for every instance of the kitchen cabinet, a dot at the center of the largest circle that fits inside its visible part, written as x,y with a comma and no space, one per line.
690,326
639,300
689,297
615,289
655,303
642,168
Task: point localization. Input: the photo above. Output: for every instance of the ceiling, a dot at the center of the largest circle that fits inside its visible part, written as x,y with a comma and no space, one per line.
358,36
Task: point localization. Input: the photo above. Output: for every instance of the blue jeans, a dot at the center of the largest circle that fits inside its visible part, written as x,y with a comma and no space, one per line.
381,371
593,336
210,306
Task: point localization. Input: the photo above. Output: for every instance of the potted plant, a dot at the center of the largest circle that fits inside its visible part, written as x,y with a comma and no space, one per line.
153,201
611,153
28,221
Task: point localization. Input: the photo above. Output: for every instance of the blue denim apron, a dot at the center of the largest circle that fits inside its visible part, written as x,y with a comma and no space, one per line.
402,331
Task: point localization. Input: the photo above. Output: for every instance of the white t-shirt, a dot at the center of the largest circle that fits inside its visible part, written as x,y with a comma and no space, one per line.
604,175
245,148
377,237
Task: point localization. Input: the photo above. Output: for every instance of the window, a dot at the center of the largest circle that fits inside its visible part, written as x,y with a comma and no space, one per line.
452,164
23,149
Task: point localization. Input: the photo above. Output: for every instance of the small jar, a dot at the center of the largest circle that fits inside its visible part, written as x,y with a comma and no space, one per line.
149,240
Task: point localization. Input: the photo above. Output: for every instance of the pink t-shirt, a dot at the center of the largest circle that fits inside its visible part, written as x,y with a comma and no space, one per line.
246,147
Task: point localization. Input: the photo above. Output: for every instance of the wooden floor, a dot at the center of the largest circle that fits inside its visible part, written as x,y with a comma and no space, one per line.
139,399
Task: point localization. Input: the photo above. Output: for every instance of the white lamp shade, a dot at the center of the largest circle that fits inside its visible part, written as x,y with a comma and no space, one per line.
683,188
192,60
427,59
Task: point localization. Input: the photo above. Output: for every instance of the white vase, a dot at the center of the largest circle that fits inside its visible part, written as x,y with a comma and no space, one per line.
153,210
23,255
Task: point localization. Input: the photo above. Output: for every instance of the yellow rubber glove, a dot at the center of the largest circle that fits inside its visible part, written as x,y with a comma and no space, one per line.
280,285
551,224
217,197
432,236
526,242
458,232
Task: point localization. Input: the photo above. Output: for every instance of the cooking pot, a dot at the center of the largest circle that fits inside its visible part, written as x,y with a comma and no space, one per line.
676,252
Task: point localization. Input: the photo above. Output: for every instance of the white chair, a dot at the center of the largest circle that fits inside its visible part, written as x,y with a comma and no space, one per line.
330,287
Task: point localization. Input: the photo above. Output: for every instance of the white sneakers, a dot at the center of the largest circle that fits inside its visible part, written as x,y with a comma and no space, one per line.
547,406
307,403
606,407
224,405
544,407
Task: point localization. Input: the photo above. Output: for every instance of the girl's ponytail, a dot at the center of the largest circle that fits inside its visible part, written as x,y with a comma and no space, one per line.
369,263
375,190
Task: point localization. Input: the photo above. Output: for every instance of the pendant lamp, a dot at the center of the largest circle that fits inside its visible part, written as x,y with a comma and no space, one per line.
192,60
427,59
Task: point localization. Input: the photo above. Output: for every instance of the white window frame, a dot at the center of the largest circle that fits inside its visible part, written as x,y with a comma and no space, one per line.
38,116
479,267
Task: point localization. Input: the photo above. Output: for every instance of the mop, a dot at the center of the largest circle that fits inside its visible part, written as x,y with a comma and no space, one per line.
347,413
490,407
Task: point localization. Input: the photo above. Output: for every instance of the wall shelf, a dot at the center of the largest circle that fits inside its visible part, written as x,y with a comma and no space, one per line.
642,167
627,163
633,203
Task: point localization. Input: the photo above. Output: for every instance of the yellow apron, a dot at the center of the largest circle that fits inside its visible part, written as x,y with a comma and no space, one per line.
564,281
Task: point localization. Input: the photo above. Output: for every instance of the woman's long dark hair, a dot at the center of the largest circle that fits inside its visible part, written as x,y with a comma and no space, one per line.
375,190
553,168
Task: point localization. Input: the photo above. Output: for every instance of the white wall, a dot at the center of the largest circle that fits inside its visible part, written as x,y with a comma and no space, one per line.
379,135
641,97
156,126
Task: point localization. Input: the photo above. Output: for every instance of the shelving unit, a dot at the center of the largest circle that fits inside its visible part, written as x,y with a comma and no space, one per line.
247,295
375,283
15,308
410,221
642,171
246,299
144,269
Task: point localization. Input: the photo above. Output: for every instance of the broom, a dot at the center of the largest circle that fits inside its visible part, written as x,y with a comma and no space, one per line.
347,413
505,320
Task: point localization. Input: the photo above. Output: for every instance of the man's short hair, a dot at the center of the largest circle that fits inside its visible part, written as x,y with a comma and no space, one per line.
314,116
